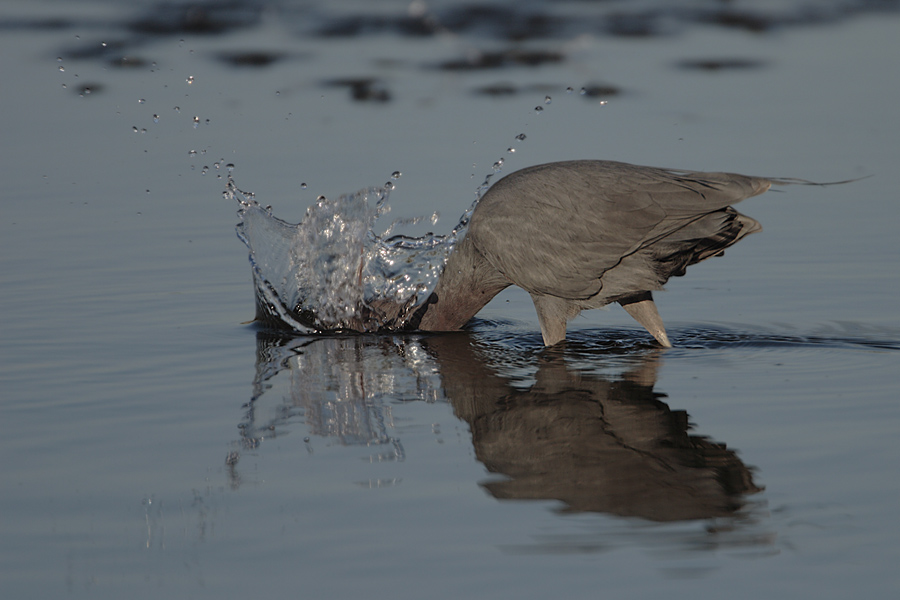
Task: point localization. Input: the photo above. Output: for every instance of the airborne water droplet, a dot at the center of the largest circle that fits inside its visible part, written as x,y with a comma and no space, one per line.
230,167
569,90
538,109
141,101
61,68
511,150
547,99
520,137
190,79
303,186
396,175
156,118
389,185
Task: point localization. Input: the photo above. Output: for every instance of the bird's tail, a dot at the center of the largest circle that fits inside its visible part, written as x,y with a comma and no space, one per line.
796,181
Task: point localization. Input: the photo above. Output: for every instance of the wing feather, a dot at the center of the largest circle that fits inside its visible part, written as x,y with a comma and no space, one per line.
556,228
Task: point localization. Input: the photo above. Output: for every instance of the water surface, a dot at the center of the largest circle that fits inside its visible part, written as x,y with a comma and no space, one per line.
157,444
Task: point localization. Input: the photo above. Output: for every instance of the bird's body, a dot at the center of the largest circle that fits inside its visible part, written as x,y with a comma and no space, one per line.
582,234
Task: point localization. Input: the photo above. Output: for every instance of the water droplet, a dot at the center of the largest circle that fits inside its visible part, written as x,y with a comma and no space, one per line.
190,79
141,101
59,59
103,44
230,167
303,186
192,153
521,137
396,175
134,128
320,198
511,150
77,37
306,439
389,185
583,92
277,92
547,99
64,86
156,118
61,68
604,102
196,122
435,217
177,109
538,109
204,170
569,90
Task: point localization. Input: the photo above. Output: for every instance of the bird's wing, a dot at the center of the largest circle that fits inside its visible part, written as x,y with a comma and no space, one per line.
556,228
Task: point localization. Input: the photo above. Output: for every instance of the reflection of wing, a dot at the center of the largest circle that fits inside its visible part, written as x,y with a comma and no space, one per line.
555,229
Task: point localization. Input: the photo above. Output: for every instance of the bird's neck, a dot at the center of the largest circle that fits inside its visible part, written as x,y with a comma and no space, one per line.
466,285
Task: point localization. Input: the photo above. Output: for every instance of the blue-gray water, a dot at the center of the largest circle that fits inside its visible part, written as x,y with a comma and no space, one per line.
154,444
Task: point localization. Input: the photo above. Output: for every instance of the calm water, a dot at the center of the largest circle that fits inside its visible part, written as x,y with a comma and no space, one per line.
155,444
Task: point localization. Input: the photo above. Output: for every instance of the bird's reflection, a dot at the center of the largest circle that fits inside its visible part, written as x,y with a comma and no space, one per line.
600,442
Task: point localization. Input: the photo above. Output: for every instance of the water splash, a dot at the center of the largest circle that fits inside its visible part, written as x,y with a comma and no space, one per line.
332,271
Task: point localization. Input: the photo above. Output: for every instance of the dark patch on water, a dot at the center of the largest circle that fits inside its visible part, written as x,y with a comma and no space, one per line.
512,57
250,58
358,25
746,20
599,90
504,89
204,18
721,64
543,20
362,89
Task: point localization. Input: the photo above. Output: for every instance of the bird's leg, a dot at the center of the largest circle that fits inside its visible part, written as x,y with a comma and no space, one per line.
552,313
643,310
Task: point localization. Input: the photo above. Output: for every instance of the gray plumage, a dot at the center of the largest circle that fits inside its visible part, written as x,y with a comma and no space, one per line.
582,234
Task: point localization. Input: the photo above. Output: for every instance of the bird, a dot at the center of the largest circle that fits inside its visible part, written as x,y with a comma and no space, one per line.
582,234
